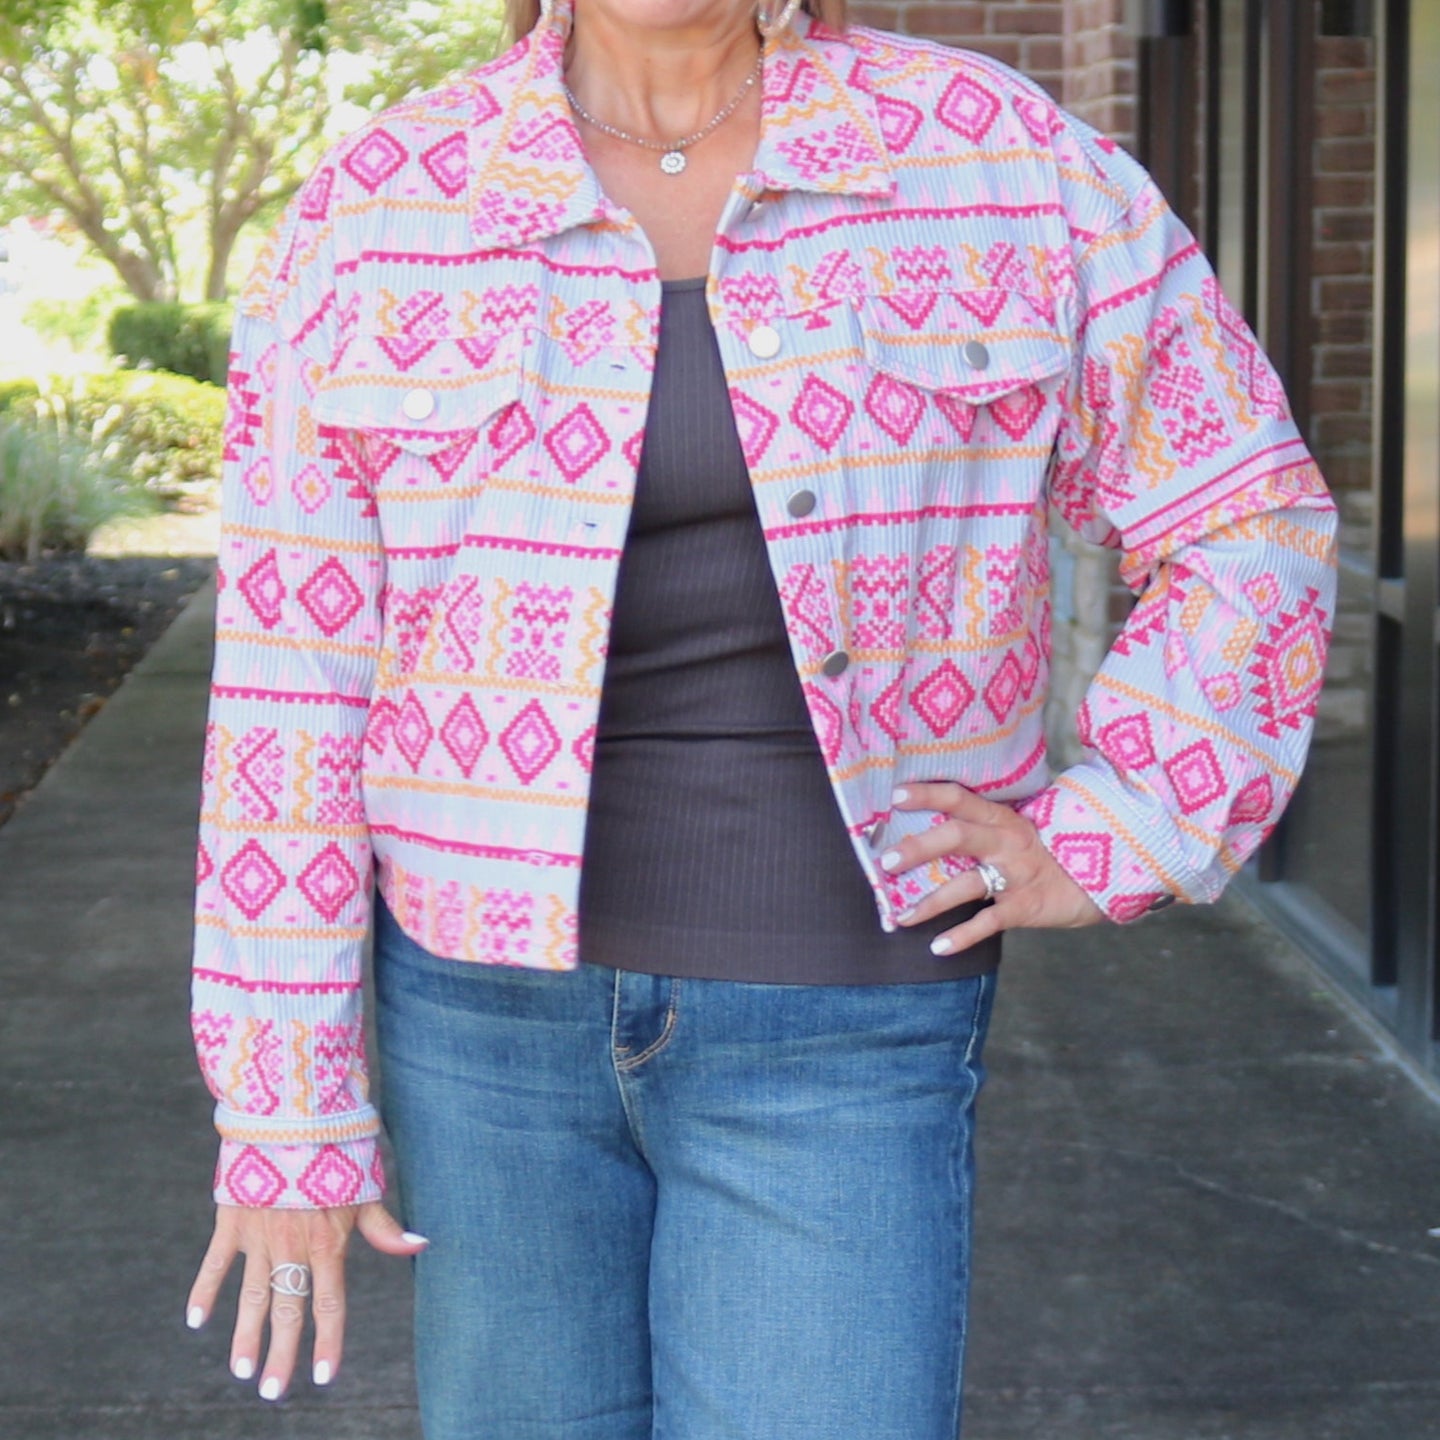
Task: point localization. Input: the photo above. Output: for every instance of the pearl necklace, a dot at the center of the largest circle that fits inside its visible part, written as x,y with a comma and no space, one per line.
672,160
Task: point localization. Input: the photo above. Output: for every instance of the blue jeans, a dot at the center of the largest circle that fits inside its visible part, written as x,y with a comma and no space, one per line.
665,1209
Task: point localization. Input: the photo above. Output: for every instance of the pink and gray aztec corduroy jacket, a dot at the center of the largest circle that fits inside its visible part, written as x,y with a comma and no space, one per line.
942,305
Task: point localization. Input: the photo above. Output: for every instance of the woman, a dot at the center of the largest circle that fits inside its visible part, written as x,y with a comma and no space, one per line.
855,310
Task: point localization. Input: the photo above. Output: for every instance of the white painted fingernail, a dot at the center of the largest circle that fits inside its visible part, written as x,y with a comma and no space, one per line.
899,797
243,1368
906,916
321,1373
941,946
270,1389
411,1238
195,1316
890,859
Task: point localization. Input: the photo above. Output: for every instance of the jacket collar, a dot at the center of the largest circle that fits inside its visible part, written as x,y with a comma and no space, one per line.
531,178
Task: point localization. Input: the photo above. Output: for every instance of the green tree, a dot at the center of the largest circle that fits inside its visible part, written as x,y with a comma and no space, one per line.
141,120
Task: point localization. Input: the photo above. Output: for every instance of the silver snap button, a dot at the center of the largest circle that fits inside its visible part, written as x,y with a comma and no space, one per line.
873,834
801,503
835,663
756,210
418,405
764,342
977,357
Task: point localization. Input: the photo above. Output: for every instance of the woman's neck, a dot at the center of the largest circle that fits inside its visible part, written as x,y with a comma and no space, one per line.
659,81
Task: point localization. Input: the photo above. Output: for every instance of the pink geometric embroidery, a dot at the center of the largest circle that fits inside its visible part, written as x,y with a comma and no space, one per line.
958,411
752,297
380,725
1123,908
413,731
1029,666
827,722
511,432
310,488
338,1052
1003,687
530,742
1196,776
885,710
914,307
329,882
447,461
464,735
577,443
464,622
251,879
942,698
260,483
587,330
924,266
879,587
807,609
263,589
823,152
1127,742
330,597
838,277
984,305
505,920
755,425
899,120
1017,412
1086,856
1242,351
1263,592
405,351
331,1178
822,412
409,616
315,198
1038,117
935,593
448,164
896,408
1290,666
1224,691
204,865
376,159
336,781
1004,597
259,774
967,108
551,138
539,623
1255,803
212,1034
253,1180
583,749
260,1067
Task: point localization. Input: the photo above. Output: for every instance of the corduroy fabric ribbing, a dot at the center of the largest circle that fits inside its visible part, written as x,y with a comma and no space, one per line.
713,846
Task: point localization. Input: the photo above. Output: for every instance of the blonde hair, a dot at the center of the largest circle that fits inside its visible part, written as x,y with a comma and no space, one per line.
522,16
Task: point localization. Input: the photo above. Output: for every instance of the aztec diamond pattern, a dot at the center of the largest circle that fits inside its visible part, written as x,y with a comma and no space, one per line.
413,639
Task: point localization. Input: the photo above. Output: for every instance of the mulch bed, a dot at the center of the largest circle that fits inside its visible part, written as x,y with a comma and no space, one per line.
71,627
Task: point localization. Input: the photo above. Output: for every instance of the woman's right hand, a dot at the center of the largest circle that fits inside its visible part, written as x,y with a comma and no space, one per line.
314,1238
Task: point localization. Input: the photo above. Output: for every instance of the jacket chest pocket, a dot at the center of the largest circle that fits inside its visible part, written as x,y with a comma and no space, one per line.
981,368
414,420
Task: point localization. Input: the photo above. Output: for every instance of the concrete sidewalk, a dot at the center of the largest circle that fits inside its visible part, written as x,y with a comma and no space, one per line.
1205,1191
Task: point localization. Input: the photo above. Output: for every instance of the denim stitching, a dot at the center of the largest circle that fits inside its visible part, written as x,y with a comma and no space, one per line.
672,1011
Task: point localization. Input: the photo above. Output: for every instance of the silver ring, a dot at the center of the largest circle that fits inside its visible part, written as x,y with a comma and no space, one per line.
291,1278
994,881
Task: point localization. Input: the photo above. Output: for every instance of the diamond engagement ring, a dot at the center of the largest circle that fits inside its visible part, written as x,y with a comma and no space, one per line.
994,880
291,1278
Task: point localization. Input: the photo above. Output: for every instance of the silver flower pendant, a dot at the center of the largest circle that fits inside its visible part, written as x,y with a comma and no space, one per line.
672,162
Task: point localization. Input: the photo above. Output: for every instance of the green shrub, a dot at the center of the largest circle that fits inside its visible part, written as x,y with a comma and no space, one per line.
18,395
164,432
56,489
191,340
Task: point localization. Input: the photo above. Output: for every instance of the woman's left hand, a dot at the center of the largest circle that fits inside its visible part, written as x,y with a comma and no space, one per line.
1038,893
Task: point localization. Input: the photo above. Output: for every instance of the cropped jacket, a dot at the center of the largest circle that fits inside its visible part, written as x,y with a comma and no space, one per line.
945,310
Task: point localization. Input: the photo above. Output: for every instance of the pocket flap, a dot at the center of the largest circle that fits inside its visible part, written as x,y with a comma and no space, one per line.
420,395
976,344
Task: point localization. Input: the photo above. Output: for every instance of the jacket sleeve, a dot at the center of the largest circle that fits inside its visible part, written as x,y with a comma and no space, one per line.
284,866
1177,448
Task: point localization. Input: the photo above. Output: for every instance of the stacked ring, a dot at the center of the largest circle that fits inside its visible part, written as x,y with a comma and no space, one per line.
994,880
